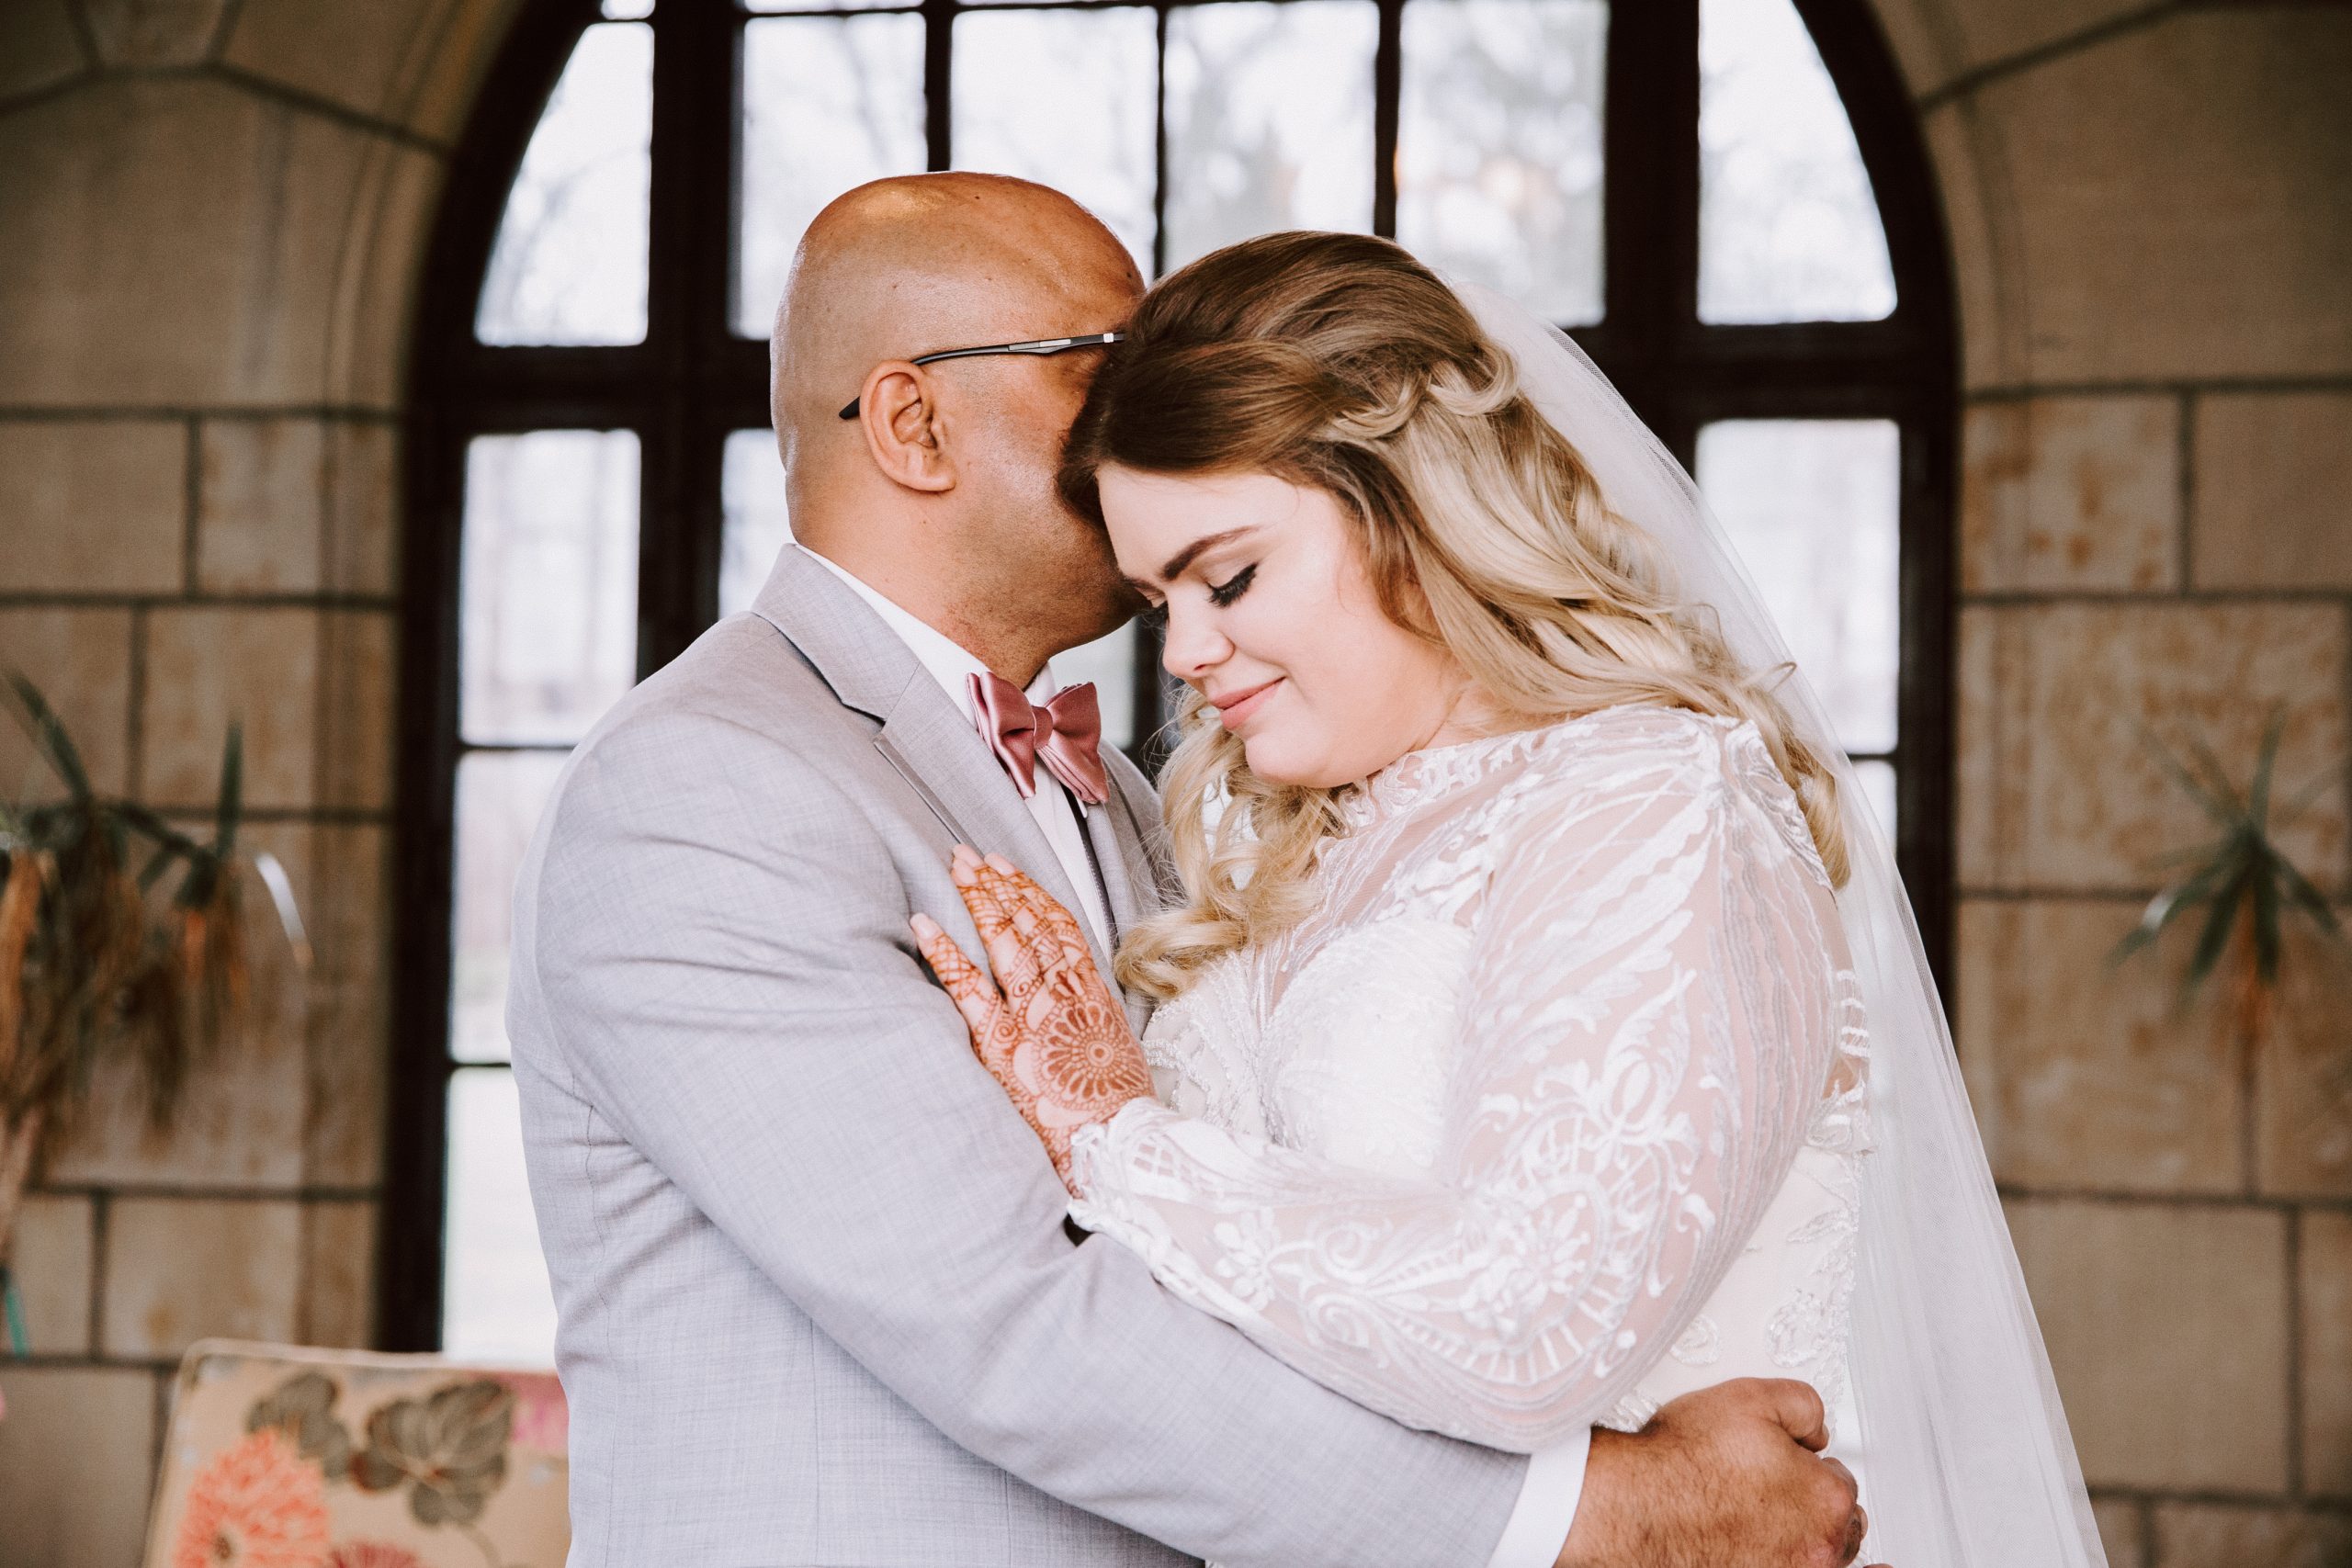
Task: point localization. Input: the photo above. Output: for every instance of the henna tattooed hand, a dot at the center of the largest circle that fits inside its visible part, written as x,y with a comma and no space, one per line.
1046,1028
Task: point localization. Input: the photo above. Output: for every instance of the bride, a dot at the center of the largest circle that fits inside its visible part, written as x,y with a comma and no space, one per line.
1511,1073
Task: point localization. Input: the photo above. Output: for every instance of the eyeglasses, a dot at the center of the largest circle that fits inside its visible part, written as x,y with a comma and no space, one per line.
1044,345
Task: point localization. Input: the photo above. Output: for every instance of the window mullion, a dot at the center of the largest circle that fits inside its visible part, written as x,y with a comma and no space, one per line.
938,81
1387,90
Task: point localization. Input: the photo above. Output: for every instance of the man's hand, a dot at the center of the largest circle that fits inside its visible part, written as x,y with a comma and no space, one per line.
1729,1477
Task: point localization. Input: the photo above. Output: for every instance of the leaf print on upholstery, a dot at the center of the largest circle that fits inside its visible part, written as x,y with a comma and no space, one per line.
303,1409
258,1505
449,1448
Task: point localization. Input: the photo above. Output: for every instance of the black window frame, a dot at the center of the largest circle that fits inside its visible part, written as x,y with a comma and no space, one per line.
692,381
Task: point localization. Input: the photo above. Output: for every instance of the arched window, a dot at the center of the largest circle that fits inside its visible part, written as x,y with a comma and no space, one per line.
1725,201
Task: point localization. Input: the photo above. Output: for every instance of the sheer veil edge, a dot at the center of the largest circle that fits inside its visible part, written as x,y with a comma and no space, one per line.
1963,1453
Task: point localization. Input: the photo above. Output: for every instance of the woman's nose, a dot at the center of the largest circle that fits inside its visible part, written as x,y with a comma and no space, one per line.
1191,647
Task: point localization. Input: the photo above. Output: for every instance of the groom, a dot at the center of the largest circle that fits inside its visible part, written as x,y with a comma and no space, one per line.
818,1304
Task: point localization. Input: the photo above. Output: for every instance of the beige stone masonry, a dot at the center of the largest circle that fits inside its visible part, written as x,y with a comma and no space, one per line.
2326,1290
81,660
2274,490
180,1269
51,1262
92,506
2172,189
2085,1075
2195,1535
2303,1087
338,1274
2192,1394
76,1456
267,264
350,915
2071,495
2058,790
155,32
260,503
208,665
37,47
412,62
2120,1532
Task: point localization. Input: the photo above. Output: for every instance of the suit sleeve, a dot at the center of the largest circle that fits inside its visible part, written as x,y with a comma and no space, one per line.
722,957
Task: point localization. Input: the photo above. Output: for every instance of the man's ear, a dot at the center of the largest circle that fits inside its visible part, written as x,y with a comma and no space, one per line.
903,430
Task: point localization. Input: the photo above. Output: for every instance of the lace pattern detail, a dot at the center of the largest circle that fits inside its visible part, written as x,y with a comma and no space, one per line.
1484,1142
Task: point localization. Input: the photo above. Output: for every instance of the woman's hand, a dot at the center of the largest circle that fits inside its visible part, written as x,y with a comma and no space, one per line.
1054,1035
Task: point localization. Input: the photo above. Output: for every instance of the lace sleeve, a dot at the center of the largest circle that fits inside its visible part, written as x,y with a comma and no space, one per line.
1652,1009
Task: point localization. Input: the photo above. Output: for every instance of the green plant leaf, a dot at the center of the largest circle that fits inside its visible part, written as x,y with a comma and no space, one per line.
2222,808
2303,894
230,809
49,735
2219,921
2265,763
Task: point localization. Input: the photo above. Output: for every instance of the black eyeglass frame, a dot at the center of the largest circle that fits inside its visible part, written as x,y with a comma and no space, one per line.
1041,346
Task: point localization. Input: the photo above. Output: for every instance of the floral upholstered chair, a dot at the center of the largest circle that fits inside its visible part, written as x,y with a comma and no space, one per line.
286,1457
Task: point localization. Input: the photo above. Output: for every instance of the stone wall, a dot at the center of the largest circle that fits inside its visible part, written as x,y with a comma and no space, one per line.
215,213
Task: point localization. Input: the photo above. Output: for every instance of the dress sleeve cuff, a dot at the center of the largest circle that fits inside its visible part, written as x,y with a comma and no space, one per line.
1539,1524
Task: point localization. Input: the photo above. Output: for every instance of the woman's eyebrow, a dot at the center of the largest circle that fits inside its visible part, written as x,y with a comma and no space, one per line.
1193,551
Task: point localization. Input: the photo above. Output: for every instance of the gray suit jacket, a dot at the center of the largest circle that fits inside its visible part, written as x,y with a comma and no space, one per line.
817,1305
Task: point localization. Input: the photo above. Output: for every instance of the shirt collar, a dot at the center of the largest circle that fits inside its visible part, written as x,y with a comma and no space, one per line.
949,661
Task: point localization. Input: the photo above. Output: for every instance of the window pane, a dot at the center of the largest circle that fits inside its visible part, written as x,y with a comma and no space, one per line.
827,102
1065,98
495,1300
499,796
547,639
1499,147
1110,663
569,267
1878,789
825,4
1269,120
1787,228
627,10
752,494
1813,506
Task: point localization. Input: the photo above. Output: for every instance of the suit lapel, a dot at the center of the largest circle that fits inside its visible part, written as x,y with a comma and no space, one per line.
925,735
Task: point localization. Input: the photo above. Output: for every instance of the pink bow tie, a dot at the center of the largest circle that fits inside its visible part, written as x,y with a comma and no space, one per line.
1066,735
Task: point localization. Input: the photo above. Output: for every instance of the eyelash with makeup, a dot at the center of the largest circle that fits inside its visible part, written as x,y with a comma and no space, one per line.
1221,595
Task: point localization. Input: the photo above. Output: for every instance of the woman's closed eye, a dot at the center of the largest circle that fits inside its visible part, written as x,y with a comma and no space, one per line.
1223,593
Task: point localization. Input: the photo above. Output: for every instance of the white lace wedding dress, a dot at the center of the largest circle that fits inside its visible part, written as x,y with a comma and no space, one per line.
1552,1112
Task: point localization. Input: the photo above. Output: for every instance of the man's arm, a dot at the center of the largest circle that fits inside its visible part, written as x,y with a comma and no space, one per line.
720,948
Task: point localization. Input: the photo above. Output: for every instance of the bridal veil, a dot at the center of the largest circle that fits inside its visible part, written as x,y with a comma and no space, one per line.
1962,1448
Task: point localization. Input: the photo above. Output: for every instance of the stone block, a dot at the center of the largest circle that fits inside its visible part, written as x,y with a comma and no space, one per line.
77,1454
1969,159
210,666
2058,789
37,47
2326,1311
2086,1075
179,240
260,500
2273,506
180,1269
2303,1072
363,492
2221,1535
92,506
351,1019
1991,31
359,673
2121,1532
2167,1328
412,62
137,33
339,1274
2070,495
51,1260
81,660
2178,197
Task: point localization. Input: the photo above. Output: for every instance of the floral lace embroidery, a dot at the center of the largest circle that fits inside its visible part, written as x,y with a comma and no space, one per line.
1484,1142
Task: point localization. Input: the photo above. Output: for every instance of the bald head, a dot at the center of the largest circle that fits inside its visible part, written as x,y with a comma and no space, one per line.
940,494
904,266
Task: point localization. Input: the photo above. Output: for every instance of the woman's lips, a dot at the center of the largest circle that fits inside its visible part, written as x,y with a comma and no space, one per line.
1236,708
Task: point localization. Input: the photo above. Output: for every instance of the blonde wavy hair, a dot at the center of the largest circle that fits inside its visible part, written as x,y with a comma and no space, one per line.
1338,361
